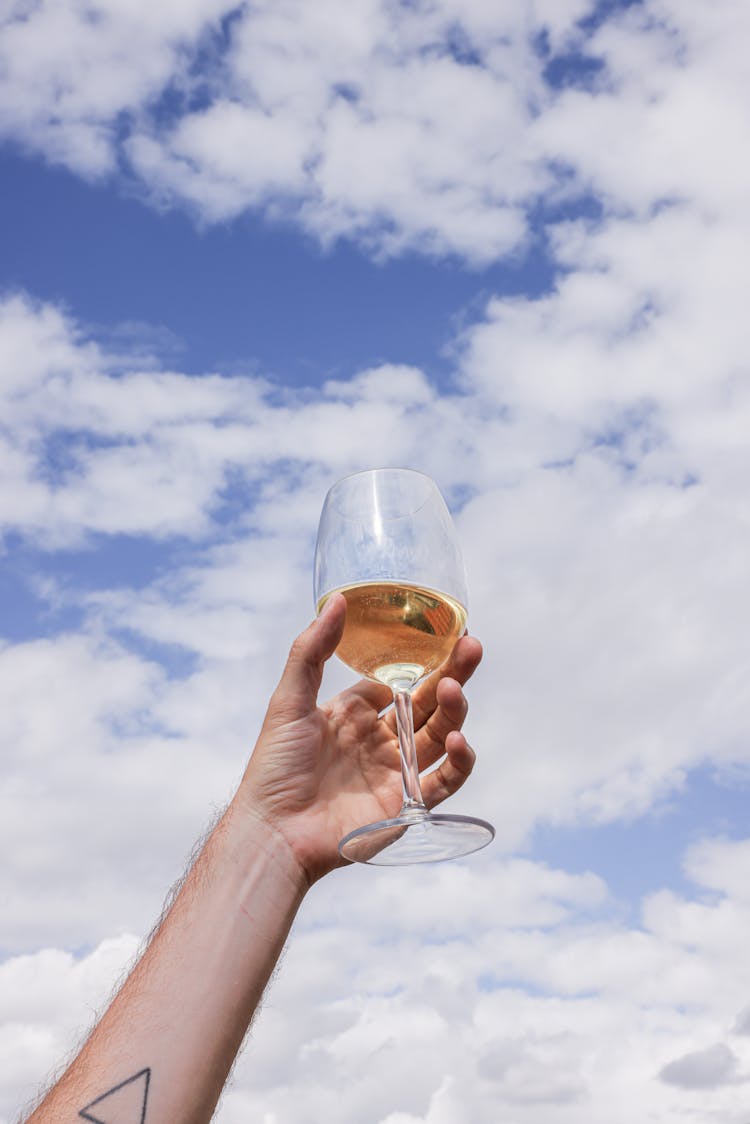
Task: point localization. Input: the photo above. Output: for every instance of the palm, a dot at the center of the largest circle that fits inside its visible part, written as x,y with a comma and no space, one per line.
323,774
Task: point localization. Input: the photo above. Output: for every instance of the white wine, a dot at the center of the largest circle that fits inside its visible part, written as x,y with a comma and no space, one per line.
397,632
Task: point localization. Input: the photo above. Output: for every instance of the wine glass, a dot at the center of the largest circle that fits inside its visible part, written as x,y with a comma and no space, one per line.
386,541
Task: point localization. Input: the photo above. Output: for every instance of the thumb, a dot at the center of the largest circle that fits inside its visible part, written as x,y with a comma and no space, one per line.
297,692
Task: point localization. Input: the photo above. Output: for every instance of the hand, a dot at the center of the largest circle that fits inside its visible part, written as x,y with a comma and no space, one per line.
317,772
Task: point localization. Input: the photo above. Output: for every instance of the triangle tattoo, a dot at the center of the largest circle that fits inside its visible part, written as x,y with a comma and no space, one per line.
124,1104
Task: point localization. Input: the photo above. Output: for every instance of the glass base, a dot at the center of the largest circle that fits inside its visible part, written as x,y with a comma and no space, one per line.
416,837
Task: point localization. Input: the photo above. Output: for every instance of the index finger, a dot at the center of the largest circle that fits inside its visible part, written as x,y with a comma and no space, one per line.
460,665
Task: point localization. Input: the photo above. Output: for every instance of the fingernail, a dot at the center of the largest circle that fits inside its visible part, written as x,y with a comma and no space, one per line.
326,608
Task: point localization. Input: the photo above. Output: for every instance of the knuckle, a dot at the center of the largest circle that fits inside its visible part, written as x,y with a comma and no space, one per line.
298,650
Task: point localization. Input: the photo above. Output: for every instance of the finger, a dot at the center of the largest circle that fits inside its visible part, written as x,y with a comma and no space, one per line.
297,692
449,716
460,665
451,773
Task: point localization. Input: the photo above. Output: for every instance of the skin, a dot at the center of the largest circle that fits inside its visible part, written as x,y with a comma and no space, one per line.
164,1048
319,772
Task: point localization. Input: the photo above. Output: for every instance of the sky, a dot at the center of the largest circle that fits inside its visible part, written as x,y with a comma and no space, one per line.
248,248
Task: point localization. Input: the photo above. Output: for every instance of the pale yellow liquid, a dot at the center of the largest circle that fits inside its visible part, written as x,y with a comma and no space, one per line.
397,632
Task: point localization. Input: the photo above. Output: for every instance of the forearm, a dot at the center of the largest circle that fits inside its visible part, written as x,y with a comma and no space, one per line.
181,1016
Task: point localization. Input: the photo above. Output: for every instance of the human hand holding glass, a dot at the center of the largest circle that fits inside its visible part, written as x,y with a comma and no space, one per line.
386,541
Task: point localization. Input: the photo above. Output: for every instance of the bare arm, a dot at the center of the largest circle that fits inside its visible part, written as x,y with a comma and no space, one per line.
165,1046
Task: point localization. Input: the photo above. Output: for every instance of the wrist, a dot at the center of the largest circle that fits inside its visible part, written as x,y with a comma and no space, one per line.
249,834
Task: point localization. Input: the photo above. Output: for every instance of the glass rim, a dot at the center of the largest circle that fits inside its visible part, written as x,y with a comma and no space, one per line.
382,468
387,469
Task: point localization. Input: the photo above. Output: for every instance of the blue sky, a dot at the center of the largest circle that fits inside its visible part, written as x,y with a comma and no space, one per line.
247,249
281,305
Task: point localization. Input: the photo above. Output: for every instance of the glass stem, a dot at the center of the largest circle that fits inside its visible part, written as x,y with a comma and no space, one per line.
413,800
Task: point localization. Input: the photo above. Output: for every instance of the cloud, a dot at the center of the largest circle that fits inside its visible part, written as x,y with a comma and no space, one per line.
364,992
704,1069
80,736
593,444
96,446
566,426
340,116
71,71
721,865
524,977
436,128
668,91
586,1015
47,1002
360,99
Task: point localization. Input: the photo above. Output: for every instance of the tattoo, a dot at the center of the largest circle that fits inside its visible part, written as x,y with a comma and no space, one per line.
127,1102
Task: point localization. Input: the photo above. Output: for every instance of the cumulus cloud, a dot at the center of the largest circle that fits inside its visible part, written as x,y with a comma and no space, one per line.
586,1016
583,1015
704,1069
46,1004
636,650
430,127
601,417
593,443
402,126
70,71
96,446
640,538
668,87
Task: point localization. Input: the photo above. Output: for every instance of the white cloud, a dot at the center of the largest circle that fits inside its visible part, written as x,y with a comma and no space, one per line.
427,127
703,1069
571,427
80,737
361,119
601,1011
616,663
597,438
582,1025
69,70
47,1002
721,865
150,451
672,77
